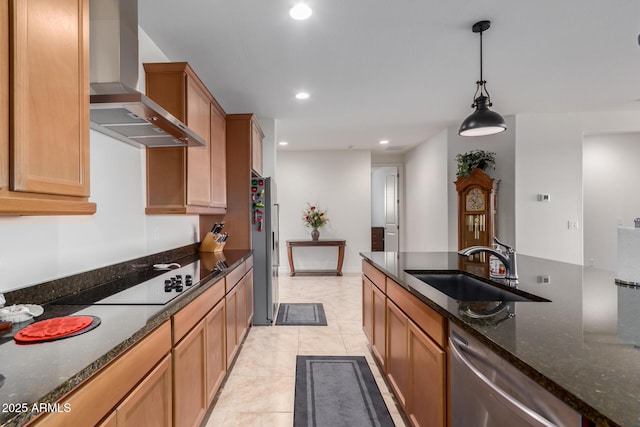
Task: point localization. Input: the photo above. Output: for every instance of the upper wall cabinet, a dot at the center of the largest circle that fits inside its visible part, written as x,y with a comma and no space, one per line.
193,179
244,139
44,113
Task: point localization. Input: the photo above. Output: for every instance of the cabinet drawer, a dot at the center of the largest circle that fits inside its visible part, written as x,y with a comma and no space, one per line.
234,277
376,276
101,393
185,319
426,318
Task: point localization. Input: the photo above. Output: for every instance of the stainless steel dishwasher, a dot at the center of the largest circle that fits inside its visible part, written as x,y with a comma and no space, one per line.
487,391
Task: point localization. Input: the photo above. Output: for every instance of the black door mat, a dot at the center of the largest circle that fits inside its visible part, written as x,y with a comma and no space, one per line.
336,391
301,314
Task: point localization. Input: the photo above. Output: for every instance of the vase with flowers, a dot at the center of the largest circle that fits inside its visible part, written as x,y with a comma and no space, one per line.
314,218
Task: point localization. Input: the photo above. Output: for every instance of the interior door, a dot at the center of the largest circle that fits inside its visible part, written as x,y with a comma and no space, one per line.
391,202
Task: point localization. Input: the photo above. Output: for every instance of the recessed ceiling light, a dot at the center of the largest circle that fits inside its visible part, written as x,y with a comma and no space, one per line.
283,143
384,141
300,11
302,95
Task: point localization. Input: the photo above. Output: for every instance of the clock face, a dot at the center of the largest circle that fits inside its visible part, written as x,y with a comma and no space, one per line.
475,200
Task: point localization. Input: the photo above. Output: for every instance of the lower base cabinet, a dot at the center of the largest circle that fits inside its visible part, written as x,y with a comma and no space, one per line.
398,352
408,339
149,404
135,384
189,378
216,357
426,405
231,302
416,369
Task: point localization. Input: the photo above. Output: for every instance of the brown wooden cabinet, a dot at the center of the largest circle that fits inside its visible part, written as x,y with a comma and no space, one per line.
189,378
149,404
408,339
367,308
199,353
216,353
44,116
426,405
218,157
243,131
379,343
238,313
186,180
99,396
249,293
231,303
398,352
374,311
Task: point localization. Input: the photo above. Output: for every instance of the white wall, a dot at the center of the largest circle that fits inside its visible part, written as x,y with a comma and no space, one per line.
425,196
611,176
549,160
42,248
338,181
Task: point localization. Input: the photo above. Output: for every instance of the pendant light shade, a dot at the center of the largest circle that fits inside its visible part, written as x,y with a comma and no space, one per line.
482,121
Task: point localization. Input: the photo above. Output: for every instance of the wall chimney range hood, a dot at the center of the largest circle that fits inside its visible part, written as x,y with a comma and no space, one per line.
116,109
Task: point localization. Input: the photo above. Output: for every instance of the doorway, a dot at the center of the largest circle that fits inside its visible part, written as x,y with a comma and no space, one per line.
385,207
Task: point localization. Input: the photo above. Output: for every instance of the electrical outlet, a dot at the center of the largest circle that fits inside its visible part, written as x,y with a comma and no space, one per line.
572,224
591,262
619,221
544,197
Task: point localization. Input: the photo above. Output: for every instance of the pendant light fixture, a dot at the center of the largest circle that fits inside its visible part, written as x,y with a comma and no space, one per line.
482,121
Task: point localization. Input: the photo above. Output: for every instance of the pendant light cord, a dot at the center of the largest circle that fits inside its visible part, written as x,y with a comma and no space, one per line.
481,87
481,81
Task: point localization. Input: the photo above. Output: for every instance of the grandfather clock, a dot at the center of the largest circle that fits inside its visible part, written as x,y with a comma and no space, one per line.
476,217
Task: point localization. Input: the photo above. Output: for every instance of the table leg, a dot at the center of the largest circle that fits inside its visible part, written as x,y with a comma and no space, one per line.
340,259
292,271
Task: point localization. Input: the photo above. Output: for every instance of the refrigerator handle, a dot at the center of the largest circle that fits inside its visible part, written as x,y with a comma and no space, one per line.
275,239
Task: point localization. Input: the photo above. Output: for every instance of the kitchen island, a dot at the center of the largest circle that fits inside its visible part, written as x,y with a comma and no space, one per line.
581,345
36,376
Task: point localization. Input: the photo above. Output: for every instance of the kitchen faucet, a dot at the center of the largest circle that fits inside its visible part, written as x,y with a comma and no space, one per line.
509,260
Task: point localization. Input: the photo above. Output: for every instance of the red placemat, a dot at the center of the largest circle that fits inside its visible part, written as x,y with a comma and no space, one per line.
52,328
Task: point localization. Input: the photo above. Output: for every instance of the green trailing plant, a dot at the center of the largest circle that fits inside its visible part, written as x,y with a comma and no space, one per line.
475,159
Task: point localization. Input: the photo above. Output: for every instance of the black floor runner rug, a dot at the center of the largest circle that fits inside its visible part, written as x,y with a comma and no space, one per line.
334,391
303,314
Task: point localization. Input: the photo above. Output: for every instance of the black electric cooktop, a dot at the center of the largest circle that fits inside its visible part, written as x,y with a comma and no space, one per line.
146,288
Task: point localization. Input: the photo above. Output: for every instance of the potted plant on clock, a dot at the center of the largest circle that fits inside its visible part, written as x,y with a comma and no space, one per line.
475,159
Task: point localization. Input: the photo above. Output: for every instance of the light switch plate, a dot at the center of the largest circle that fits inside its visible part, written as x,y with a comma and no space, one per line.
544,278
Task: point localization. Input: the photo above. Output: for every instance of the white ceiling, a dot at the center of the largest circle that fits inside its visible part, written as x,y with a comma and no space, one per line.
400,70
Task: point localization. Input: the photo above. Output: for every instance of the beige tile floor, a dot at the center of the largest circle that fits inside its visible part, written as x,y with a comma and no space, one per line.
259,390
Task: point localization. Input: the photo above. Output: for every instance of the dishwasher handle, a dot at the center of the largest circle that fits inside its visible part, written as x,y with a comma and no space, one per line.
526,412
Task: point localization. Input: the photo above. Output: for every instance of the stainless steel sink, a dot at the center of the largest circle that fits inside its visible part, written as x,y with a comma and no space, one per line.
462,287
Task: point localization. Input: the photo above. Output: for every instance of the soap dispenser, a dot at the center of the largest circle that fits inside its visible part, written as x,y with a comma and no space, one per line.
496,267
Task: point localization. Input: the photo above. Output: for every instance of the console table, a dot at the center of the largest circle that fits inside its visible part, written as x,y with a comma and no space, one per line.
340,244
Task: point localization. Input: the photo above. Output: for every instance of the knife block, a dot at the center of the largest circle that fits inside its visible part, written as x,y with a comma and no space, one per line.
209,243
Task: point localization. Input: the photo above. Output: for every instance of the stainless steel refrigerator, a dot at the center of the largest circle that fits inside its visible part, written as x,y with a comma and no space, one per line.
265,245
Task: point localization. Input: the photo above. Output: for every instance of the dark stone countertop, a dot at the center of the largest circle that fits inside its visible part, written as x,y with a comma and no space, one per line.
583,346
44,372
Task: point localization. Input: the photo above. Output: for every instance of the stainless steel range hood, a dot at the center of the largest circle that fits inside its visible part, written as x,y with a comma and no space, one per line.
116,109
